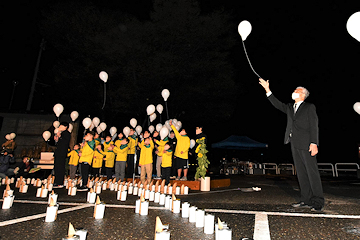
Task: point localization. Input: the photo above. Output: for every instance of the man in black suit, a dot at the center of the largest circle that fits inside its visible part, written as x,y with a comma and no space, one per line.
302,131
63,139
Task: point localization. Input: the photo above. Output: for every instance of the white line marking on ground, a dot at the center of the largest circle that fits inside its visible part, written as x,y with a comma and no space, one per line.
41,215
261,228
219,191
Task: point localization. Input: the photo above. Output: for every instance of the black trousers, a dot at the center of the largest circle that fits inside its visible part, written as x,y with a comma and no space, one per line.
84,172
308,175
165,173
130,165
59,170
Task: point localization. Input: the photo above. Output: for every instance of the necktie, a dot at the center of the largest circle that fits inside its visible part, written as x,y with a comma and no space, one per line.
295,105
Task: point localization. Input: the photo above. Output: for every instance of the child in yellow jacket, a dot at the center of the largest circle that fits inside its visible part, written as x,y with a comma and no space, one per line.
166,163
121,157
146,159
74,160
109,161
86,156
97,162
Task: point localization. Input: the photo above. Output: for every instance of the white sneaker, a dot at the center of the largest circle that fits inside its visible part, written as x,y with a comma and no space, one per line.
183,178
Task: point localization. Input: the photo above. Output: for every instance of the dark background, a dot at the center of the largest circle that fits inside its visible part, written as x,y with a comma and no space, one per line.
194,50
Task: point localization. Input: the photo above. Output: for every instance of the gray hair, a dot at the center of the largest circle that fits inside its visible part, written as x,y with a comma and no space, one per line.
305,91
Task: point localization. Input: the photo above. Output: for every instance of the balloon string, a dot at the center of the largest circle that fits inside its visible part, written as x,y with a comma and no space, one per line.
249,59
167,112
104,95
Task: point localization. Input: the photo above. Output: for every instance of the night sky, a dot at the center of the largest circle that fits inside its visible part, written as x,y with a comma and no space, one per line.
290,44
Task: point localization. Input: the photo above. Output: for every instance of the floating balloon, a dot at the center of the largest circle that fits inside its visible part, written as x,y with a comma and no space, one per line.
165,94
96,121
126,131
46,135
103,76
192,143
91,126
167,124
70,128
174,121
152,117
138,129
151,128
74,115
86,122
103,126
150,109
133,122
159,108
179,125
12,135
113,130
357,107
99,130
164,132
7,136
158,127
58,109
56,130
244,29
353,24
56,124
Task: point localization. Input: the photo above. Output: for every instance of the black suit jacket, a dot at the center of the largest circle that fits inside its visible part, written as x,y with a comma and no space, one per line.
303,125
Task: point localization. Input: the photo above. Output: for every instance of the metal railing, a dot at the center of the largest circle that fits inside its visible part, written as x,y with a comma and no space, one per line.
337,170
331,169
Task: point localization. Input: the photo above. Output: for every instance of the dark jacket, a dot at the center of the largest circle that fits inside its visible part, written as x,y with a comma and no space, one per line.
5,160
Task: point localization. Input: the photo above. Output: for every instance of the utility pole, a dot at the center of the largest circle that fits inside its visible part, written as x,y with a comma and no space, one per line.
31,96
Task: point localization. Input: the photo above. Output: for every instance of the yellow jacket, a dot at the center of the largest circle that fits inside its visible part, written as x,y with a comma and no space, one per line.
87,152
97,141
146,154
74,158
167,158
132,144
161,144
121,153
98,159
182,144
110,158
107,145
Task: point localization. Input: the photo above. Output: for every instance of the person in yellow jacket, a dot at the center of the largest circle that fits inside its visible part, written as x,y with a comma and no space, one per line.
159,152
98,159
166,162
74,160
146,159
97,139
131,153
181,152
121,157
109,161
86,156
118,142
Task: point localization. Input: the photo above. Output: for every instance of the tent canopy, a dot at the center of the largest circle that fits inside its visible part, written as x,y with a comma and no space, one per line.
239,143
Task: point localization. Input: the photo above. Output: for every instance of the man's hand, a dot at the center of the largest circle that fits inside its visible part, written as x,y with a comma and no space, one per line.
313,149
264,84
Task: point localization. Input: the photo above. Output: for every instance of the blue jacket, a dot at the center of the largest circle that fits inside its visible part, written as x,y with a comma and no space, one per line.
4,162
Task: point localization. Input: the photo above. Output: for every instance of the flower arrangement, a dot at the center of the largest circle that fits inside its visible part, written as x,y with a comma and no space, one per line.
202,159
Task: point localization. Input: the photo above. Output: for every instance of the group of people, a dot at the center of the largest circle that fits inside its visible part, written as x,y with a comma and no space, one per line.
97,156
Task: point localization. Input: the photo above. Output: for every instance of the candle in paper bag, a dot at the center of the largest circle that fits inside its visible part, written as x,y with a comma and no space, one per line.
170,189
91,196
38,191
112,186
200,218
8,201
157,197
28,181
12,180
71,234
140,192
224,234
144,209
209,224
162,187
192,214
161,231
220,226
51,211
147,194
167,202
176,206
50,186
17,184
81,233
135,191
137,206
38,183
67,184
104,185
162,199
151,196
53,196
123,196
73,191
177,191
131,189
44,193
8,191
98,188
185,210
153,188
99,209
24,188
186,190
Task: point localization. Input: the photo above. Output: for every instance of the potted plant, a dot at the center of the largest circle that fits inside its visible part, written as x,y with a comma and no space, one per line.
203,164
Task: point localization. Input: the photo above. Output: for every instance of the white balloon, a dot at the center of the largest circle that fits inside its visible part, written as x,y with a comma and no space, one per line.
192,143
58,109
74,115
167,124
138,129
151,128
357,107
126,131
7,136
86,122
159,108
70,128
46,135
56,130
165,94
150,109
133,122
96,121
353,24
158,127
56,124
244,29
99,130
113,130
174,121
103,76
152,117
178,124
103,126
164,132
12,135
91,126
